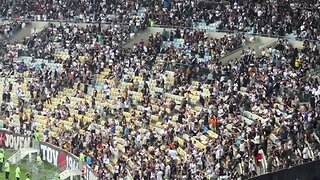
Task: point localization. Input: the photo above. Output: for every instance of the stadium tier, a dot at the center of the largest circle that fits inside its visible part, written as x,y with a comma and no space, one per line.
172,104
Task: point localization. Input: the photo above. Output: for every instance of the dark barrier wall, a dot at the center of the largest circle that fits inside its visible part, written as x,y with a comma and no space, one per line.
308,171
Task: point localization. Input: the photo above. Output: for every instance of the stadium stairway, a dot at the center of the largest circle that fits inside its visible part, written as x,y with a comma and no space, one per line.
21,34
21,154
258,44
69,174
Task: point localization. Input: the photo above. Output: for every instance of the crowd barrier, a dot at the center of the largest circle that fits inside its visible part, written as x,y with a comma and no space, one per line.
308,171
50,153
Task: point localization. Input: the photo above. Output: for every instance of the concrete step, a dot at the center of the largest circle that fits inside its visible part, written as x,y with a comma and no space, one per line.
69,174
23,33
258,44
22,153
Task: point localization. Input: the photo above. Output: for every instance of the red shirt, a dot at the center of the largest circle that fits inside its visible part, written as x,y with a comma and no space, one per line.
259,156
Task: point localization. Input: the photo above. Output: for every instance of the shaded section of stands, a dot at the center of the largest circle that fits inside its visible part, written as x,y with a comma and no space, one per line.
308,171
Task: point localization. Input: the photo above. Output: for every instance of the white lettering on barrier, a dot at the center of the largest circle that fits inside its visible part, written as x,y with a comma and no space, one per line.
17,142
50,155
72,163
58,158
87,173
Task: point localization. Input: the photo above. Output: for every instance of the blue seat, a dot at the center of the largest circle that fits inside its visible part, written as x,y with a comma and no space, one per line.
207,58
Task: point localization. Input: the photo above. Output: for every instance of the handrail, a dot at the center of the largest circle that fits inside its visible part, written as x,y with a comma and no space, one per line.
235,31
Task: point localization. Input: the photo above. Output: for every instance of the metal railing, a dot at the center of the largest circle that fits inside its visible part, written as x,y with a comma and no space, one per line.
235,32
40,173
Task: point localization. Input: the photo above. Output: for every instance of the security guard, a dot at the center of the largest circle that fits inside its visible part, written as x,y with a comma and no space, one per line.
37,135
7,169
1,159
18,173
82,157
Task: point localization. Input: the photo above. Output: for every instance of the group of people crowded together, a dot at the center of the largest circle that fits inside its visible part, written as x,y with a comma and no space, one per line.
276,18
167,108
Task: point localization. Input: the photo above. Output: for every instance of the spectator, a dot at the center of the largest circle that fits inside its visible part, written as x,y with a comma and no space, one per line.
156,111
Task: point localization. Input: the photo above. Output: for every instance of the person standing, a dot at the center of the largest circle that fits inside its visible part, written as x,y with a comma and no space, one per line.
37,135
82,157
7,170
116,171
305,154
1,159
18,173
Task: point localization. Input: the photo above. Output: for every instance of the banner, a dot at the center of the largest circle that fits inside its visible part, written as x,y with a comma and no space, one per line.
88,173
58,157
14,141
65,160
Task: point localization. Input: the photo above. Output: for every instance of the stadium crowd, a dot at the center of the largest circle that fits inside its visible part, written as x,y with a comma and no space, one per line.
167,108
8,28
195,121
261,17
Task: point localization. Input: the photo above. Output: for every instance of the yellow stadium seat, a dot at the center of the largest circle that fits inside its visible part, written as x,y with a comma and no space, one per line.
212,134
110,168
155,117
204,139
180,141
181,152
120,148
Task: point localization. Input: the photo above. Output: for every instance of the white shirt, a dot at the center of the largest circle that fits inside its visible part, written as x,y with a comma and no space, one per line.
251,167
193,168
242,147
305,153
167,172
116,169
159,175
173,154
106,90
218,153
